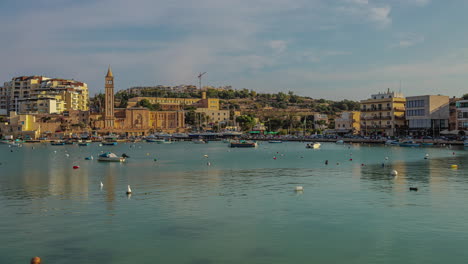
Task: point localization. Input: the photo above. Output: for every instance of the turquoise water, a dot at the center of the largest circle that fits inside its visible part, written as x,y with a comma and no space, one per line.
241,209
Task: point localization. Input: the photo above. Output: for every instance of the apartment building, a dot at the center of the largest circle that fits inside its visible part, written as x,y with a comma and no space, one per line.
35,90
427,114
462,115
383,114
348,123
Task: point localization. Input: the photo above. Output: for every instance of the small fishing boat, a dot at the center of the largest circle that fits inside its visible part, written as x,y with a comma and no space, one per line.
427,144
109,141
110,157
57,143
313,145
275,141
409,143
199,141
154,140
243,144
69,142
392,143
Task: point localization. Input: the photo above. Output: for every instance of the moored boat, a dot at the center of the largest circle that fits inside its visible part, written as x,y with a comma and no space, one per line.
57,143
409,143
154,140
243,144
392,143
465,143
340,142
109,141
313,145
199,141
110,157
275,141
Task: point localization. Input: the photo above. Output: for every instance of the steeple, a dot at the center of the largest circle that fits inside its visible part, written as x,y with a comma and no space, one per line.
109,72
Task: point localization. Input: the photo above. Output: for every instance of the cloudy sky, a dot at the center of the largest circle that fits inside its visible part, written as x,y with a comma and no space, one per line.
332,49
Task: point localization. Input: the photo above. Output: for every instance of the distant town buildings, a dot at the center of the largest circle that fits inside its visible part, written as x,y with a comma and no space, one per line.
43,95
383,114
134,120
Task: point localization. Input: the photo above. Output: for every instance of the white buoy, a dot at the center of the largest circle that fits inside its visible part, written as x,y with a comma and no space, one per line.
102,185
208,164
92,157
426,156
68,155
129,191
206,156
299,189
386,158
394,173
100,145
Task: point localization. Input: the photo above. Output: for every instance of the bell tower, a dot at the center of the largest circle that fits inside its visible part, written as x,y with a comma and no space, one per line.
109,100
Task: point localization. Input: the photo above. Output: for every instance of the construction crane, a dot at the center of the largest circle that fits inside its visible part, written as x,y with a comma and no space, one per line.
199,79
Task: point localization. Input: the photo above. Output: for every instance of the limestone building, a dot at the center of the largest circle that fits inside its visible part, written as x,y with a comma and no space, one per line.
134,120
383,114
28,94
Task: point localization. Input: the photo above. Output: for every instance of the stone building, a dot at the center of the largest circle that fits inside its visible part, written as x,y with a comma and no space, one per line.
383,114
134,120
427,114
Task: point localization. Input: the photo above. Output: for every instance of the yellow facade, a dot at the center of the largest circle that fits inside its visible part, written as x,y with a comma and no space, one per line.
349,122
383,114
20,125
163,101
70,94
209,103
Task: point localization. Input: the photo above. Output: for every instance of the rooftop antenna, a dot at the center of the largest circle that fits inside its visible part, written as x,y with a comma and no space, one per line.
199,79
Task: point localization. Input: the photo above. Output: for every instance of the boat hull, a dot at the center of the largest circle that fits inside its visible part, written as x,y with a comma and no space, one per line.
243,145
118,159
109,143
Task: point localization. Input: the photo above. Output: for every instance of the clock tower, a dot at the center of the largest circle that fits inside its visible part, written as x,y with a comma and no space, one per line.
109,101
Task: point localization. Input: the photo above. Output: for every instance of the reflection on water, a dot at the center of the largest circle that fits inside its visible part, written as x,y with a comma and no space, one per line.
241,209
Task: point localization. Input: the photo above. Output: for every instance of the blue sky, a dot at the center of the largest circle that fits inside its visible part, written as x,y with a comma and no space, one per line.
332,49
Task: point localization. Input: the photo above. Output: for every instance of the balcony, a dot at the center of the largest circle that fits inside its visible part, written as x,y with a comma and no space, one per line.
376,118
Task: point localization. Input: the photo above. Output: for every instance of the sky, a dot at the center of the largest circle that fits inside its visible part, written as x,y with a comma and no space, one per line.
333,49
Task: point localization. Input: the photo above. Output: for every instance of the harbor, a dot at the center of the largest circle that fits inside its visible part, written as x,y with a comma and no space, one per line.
242,207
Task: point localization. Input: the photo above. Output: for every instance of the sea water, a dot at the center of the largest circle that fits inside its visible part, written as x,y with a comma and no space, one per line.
207,203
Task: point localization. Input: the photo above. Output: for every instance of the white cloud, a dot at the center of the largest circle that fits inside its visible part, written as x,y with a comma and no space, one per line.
407,40
363,11
278,46
380,15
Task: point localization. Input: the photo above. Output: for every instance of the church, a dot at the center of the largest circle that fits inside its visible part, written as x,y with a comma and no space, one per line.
135,120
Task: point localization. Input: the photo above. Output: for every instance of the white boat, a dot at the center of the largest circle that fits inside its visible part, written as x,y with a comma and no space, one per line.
275,141
313,145
340,142
392,143
110,157
199,141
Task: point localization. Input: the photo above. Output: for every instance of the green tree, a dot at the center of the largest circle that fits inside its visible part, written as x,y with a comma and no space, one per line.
246,122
